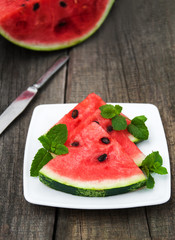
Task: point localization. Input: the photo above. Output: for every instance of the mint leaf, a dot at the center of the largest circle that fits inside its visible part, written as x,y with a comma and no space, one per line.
161,170
41,158
53,141
149,161
108,111
150,182
118,109
142,118
146,170
119,123
58,133
58,149
138,129
45,142
153,163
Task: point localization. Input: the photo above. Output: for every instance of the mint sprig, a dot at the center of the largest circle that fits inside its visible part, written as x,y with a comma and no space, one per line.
137,126
153,164
54,139
113,112
119,123
53,142
108,111
41,158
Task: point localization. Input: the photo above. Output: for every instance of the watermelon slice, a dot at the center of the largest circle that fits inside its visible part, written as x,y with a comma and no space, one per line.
50,25
88,111
96,167
122,137
81,112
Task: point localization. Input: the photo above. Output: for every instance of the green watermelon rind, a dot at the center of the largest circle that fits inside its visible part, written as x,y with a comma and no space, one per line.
134,139
93,191
59,46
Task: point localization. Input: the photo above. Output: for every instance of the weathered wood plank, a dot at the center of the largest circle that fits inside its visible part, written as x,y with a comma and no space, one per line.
20,68
130,59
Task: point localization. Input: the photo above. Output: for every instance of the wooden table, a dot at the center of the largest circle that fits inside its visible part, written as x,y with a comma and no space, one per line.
130,59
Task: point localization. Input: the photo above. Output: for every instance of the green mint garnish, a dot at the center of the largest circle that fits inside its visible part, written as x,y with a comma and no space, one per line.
150,181
53,142
58,133
41,158
108,111
118,109
153,164
138,128
113,112
119,122
58,149
45,142
142,118
54,139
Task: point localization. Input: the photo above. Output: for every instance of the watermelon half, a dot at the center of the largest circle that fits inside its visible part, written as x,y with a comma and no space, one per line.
94,167
51,24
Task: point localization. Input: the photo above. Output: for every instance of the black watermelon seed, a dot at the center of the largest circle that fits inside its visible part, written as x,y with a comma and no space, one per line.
75,113
61,23
105,140
96,122
23,5
63,4
36,6
102,157
75,144
109,128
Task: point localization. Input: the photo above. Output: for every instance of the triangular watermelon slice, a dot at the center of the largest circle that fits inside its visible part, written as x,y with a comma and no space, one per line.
51,24
121,136
88,111
81,112
96,166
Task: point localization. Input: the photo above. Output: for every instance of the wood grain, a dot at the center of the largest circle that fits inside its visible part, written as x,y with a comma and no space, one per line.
20,68
129,59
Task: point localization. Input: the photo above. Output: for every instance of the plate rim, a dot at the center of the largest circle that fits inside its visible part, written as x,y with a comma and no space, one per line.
30,199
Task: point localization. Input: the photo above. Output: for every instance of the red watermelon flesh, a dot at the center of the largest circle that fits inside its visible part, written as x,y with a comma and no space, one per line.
121,136
81,168
51,24
85,109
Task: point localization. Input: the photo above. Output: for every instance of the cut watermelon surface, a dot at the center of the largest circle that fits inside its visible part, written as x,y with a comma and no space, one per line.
98,166
81,112
50,25
88,111
121,136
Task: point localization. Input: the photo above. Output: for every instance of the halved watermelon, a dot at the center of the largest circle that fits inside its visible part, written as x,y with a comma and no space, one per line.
51,24
96,166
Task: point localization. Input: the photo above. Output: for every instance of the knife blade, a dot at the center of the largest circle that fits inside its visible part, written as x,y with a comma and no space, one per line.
22,101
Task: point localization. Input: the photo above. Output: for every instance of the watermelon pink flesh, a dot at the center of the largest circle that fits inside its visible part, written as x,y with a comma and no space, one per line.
82,164
121,136
47,22
85,109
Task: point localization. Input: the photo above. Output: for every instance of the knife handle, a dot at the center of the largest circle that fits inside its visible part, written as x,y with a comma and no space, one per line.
58,64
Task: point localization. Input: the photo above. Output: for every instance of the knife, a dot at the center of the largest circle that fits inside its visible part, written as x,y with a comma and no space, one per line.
21,102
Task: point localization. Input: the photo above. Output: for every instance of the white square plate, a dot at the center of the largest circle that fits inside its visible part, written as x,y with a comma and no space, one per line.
45,116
